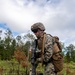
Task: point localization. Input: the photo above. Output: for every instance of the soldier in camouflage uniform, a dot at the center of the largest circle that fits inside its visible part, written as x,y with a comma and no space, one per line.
38,29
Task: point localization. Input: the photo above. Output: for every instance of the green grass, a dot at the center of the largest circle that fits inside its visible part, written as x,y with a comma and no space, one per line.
11,68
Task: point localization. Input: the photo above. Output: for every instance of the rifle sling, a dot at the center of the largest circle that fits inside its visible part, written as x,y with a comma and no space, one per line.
43,46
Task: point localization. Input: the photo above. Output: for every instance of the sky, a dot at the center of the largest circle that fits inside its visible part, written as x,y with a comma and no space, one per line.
57,16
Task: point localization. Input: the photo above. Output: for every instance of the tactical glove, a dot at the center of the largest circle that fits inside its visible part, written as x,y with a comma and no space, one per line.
38,53
39,59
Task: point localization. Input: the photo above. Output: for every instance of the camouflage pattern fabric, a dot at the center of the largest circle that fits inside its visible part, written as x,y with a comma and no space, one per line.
37,26
48,52
49,69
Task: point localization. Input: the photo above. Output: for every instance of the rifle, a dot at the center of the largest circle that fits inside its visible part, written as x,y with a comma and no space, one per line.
33,59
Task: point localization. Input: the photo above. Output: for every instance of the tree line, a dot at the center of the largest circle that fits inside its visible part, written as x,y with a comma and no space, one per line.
9,44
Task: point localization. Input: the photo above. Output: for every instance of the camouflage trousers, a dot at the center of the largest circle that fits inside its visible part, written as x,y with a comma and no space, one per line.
49,69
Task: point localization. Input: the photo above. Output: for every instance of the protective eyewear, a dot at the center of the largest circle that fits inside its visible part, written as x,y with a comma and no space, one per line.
35,30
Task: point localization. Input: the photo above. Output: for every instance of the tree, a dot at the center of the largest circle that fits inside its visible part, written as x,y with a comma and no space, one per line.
29,37
7,52
0,34
29,42
70,52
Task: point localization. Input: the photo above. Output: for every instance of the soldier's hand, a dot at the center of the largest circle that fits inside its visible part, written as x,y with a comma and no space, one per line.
38,53
39,60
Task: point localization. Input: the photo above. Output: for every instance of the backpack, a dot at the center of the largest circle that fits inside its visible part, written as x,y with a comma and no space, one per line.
57,57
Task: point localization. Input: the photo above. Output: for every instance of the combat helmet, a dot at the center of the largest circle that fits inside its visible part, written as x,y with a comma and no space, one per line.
36,26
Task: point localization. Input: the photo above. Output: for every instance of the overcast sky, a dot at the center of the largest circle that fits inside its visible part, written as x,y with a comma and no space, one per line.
57,15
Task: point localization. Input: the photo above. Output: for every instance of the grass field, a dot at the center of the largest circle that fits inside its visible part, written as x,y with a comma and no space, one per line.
69,69
13,68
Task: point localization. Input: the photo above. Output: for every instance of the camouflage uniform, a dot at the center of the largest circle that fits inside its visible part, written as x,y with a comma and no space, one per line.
49,67
48,50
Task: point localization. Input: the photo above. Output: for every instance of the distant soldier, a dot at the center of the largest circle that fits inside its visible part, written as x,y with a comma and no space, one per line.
38,29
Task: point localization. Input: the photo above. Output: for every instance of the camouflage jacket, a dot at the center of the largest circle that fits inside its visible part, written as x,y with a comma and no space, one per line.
48,49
